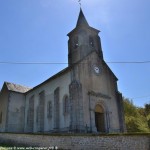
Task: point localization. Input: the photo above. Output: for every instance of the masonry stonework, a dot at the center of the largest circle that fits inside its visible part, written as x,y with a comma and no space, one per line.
79,142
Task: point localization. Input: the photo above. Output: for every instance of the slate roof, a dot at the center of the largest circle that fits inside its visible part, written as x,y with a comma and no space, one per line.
81,19
82,22
17,87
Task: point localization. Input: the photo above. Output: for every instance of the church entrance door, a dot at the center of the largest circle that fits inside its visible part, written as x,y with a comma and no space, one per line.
99,118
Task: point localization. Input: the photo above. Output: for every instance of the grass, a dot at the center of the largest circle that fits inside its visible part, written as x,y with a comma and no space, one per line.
3,148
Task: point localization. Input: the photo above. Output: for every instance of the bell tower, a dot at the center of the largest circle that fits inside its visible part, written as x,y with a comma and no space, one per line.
83,39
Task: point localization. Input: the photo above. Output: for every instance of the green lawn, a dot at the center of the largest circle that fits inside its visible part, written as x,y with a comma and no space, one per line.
3,148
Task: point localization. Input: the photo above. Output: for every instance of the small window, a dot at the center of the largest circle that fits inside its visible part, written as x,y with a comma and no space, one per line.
1,117
91,41
66,105
76,42
49,109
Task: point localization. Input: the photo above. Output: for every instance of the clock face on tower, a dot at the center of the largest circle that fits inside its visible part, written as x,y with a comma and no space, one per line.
97,69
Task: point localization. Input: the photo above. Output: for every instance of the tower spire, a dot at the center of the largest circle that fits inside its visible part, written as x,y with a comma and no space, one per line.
81,19
83,40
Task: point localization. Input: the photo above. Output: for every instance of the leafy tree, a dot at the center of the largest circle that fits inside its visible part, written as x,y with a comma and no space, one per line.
137,119
147,108
147,112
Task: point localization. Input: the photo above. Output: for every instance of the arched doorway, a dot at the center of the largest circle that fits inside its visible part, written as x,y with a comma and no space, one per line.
99,118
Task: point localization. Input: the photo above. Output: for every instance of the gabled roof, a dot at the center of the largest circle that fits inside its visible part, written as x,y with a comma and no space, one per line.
51,78
16,87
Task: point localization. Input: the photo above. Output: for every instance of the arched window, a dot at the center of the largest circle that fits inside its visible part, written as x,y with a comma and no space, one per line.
49,109
41,111
56,108
66,105
91,41
30,115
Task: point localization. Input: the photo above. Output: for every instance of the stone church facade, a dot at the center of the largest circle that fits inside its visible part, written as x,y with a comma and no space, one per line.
81,98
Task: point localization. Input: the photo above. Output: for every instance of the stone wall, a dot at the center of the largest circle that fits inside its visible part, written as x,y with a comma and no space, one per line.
55,87
78,142
4,95
15,112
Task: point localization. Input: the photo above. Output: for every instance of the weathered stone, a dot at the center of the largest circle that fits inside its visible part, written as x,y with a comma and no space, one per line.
79,142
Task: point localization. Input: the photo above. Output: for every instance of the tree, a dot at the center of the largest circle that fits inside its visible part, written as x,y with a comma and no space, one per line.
147,109
136,119
147,112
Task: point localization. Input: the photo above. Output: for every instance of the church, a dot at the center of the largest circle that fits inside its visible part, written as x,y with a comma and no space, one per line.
82,98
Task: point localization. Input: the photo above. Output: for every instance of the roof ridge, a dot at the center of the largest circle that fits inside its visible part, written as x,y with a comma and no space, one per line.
16,84
17,87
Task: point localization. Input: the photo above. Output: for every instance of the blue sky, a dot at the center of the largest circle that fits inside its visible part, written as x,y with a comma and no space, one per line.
35,31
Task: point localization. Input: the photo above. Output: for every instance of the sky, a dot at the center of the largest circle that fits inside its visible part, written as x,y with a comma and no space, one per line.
36,31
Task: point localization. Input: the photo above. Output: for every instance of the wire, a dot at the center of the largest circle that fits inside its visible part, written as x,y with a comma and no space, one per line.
36,63
47,63
130,62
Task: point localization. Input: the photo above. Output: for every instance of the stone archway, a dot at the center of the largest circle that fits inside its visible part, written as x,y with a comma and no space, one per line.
99,118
